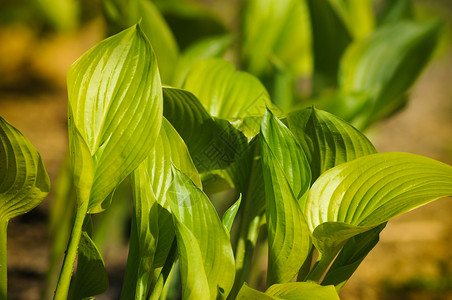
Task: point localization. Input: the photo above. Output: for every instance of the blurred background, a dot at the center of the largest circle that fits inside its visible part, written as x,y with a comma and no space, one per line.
40,40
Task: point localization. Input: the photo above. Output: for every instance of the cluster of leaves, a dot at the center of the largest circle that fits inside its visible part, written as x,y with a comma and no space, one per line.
305,179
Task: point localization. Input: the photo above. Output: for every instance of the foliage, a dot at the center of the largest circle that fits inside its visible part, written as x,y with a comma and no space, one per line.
182,124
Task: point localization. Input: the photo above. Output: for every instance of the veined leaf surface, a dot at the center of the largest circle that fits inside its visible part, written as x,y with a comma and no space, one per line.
225,92
151,183
290,291
363,193
198,226
24,182
287,178
327,140
114,118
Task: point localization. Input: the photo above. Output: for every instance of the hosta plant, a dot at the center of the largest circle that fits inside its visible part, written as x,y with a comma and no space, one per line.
223,163
309,181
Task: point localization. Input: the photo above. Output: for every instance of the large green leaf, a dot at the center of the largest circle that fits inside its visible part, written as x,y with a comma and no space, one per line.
92,278
114,118
287,35
363,193
152,218
287,178
330,37
24,182
225,92
327,140
213,143
385,65
290,291
302,291
200,229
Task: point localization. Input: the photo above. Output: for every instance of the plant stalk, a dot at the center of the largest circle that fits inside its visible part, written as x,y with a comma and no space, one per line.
3,260
64,281
320,268
244,252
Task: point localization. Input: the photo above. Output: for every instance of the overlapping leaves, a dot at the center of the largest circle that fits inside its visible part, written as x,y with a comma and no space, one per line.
207,261
287,178
358,195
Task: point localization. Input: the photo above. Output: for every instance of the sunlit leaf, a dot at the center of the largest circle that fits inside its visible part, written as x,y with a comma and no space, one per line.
225,92
327,140
247,293
114,118
229,215
24,182
358,15
198,225
290,291
385,65
302,291
287,178
363,193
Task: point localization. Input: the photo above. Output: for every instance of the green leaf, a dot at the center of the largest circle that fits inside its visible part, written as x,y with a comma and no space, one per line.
225,92
287,35
247,293
351,256
287,178
62,15
198,226
213,143
24,182
329,42
229,215
121,14
358,15
114,118
160,36
302,291
92,278
194,280
205,48
326,139
290,291
368,191
385,65
394,11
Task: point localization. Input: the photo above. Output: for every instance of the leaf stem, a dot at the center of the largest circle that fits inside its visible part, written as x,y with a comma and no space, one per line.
244,251
64,280
320,268
3,260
